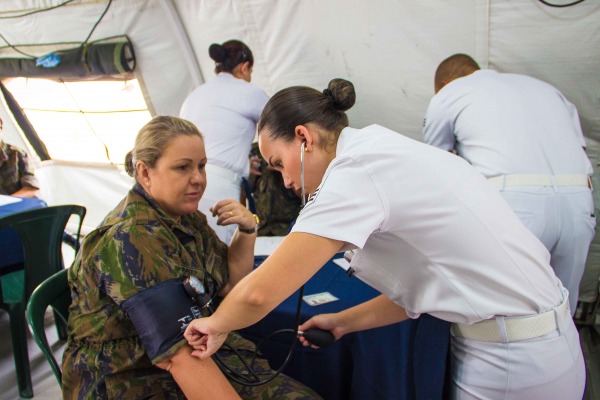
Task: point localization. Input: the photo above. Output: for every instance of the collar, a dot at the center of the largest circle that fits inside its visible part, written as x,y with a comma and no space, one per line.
181,224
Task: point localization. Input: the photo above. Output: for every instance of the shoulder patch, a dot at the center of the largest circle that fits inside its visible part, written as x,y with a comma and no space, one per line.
313,197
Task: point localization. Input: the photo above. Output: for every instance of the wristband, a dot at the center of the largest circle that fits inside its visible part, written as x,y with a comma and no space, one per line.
251,230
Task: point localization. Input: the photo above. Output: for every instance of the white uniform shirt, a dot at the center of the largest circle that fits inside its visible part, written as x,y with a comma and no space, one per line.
226,110
433,236
507,124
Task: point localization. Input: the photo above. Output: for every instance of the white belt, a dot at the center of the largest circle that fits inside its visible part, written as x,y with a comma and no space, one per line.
540,180
223,172
511,329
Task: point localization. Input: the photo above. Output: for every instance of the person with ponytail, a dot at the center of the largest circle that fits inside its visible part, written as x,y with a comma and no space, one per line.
128,283
426,230
226,109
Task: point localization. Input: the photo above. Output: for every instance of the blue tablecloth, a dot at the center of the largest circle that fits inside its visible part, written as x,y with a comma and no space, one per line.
11,248
402,361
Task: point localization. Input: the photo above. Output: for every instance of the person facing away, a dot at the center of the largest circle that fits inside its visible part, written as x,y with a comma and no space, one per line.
226,109
525,137
429,233
16,175
126,283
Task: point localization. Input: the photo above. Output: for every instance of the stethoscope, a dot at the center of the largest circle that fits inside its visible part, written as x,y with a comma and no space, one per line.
315,336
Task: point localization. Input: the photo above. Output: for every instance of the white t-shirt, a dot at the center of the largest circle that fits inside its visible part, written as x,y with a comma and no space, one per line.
226,110
433,235
507,124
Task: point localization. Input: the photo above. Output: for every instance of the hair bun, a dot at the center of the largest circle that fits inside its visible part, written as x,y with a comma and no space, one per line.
217,52
129,167
342,93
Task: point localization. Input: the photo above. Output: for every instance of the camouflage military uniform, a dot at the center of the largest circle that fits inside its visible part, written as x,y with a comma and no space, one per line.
136,247
15,171
276,206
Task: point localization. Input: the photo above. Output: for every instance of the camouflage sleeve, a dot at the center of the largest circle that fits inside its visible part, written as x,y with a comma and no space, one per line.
215,251
135,257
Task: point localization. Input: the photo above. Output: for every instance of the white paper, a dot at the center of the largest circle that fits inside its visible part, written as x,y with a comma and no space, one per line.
265,245
4,200
319,298
342,262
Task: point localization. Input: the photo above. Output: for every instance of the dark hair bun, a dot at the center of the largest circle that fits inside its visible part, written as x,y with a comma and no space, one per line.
129,167
342,93
217,52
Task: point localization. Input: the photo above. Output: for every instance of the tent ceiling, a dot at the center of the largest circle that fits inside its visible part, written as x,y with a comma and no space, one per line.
389,49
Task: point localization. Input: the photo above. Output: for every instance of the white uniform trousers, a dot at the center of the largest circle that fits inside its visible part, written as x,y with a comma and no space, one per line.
563,219
221,184
549,367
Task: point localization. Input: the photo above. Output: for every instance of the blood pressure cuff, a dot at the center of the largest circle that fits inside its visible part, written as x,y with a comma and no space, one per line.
160,315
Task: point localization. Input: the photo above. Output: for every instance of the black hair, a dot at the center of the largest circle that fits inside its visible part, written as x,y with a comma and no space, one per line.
300,105
454,67
229,55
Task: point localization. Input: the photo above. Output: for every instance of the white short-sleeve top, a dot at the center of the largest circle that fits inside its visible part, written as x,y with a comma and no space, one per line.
507,124
226,110
431,234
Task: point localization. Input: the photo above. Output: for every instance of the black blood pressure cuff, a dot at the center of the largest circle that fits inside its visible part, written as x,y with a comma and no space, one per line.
160,315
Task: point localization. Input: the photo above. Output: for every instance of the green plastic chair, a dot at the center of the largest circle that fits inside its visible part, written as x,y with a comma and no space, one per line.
41,231
53,292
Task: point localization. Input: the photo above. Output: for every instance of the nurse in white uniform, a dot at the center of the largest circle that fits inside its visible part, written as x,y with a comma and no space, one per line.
428,232
525,137
226,109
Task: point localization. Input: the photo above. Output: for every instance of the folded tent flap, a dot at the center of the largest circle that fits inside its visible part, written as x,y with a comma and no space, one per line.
109,57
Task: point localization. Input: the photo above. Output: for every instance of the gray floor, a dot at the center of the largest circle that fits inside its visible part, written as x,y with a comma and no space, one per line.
590,343
45,385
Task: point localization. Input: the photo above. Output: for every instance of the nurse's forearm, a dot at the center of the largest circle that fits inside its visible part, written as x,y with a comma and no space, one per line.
378,312
296,259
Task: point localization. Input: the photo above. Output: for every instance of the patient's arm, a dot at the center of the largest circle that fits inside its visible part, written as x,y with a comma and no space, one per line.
198,379
26,191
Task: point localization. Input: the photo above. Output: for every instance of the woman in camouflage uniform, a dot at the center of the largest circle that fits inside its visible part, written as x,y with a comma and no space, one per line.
154,235
16,175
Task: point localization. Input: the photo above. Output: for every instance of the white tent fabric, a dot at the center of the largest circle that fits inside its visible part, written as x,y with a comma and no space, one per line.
101,185
388,49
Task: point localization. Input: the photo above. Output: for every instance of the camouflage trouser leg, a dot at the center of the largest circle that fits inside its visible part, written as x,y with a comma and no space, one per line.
282,387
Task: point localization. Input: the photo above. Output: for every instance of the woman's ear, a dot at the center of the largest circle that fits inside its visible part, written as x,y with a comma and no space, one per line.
246,71
143,174
303,134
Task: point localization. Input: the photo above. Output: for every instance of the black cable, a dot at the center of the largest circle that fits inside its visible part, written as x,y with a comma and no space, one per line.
23,15
232,372
263,340
560,5
51,8
243,380
37,11
17,50
97,22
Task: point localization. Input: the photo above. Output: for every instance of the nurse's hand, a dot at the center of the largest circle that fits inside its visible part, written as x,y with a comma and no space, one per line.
204,340
327,322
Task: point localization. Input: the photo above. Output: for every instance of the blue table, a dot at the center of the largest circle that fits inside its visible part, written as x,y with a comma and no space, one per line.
11,249
402,361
